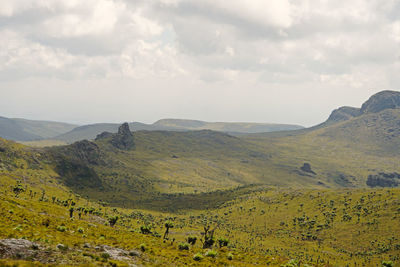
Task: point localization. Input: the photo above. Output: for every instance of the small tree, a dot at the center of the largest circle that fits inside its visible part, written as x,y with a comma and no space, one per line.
192,240
209,239
168,225
18,189
71,212
113,220
145,229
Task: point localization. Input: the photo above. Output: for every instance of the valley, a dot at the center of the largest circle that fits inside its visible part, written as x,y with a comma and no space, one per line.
321,196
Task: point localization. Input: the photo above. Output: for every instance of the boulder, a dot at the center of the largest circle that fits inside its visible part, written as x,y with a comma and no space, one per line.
307,168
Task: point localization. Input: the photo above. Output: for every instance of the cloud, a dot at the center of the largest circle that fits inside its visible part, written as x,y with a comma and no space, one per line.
263,44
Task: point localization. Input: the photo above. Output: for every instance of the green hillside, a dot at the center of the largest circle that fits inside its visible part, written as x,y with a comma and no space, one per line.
311,197
90,132
28,130
46,223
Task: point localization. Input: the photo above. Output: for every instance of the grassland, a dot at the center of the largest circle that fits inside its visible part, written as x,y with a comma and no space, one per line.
98,204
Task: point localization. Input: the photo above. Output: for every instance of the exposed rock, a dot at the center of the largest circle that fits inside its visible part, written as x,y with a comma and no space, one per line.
87,152
103,135
307,168
344,114
62,247
380,101
17,248
383,180
120,254
124,138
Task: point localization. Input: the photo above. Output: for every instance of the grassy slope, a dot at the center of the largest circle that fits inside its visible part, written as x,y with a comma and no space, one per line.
257,221
26,130
37,213
165,162
354,148
91,131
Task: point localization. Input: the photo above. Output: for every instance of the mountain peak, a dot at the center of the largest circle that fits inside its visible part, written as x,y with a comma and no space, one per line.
344,114
381,101
124,138
376,103
124,129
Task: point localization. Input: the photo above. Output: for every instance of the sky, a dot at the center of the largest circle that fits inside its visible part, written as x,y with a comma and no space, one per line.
275,61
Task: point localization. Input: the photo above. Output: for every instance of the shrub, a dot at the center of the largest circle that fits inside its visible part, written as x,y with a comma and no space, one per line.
223,242
230,256
61,228
183,246
113,220
134,253
387,264
62,247
145,229
198,257
105,255
291,263
80,230
46,222
211,253
143,247
192,240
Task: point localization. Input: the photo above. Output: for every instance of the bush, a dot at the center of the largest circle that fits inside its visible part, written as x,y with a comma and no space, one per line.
291,263
230,256
145,229
61,228
223,242
192,240
105,256
62,247
183,246
198,257
143,247
387,264
113,220
80,230
211,253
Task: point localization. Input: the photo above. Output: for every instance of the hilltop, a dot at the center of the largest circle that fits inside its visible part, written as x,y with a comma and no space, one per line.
91,131
28,130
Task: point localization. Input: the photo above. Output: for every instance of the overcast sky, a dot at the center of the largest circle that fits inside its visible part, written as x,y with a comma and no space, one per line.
238,60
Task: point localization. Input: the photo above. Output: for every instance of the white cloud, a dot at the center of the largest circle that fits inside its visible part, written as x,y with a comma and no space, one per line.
268,44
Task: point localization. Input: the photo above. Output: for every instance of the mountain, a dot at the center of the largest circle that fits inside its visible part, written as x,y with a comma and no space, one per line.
227,127
28,130
376,103
91,131
270,197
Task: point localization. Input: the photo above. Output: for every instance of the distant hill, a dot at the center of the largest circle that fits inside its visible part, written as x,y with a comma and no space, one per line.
90,132
29,130
380,101
227,127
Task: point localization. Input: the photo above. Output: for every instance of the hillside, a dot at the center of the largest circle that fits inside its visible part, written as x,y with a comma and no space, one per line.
89,132
254,226
300,198
29,130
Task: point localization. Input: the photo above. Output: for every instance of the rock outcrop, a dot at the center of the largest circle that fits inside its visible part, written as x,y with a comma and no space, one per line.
383,180
381,101
344,114
307,168
18,249
124,138
376,103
